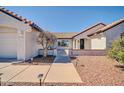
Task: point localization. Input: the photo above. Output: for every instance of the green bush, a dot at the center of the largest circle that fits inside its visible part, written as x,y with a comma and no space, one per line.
117,50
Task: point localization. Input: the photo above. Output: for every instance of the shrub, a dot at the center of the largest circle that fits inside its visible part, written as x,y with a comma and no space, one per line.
121,56
117,50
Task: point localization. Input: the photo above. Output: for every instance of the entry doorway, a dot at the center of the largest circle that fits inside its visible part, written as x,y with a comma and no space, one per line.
81,43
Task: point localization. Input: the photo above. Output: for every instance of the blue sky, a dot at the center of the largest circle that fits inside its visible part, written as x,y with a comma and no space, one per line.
68,19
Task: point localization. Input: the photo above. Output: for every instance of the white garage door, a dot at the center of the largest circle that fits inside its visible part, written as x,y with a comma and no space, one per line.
8,45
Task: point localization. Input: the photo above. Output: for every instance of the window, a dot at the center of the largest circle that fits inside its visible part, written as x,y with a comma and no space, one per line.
63,43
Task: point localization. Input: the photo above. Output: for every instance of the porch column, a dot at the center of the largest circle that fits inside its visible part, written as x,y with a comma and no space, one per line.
74,43
21,45
77,44
21,42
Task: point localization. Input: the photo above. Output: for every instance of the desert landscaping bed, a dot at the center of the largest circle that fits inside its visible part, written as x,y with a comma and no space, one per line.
39,60
99,70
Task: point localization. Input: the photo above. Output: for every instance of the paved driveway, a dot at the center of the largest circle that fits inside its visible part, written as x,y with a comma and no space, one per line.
11,71
3,65
31,73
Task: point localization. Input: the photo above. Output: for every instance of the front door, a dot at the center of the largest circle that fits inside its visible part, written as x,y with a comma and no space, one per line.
81,43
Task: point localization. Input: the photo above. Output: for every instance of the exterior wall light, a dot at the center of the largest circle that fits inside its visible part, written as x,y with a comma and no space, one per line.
0,78
40,76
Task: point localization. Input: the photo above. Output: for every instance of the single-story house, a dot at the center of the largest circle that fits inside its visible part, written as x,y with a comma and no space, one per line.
97,37
18,36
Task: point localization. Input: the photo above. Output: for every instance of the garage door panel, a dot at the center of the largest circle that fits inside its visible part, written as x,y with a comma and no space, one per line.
8,45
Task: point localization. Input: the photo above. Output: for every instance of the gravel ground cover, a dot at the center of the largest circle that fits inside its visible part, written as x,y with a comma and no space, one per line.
99,70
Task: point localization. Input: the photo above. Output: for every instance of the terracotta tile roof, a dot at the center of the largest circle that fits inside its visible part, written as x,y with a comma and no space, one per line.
65,35
109,26
91,29
20,18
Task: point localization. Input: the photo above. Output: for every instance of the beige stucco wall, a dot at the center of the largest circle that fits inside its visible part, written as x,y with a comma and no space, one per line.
98,41
31,44
26,36
87,44
114,34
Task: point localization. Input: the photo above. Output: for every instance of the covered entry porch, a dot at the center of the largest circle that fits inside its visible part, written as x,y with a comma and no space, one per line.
82,43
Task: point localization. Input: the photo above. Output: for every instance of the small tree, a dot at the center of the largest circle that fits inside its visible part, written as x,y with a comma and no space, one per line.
117,50
46,39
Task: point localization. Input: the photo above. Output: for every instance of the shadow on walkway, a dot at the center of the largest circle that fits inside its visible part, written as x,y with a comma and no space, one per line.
6,60
62,57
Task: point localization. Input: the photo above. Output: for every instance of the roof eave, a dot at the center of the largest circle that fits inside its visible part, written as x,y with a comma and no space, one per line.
88,29
19,18
64,38
106,29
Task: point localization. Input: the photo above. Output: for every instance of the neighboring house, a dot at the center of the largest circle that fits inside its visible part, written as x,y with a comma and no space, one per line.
18,36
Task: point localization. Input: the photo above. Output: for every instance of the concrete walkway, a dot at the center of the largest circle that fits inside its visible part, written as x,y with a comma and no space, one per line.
62,57
62,70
